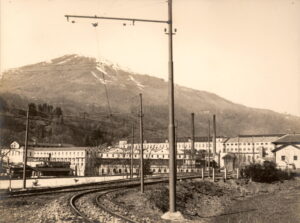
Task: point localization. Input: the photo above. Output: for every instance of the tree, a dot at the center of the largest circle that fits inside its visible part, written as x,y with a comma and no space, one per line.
32,109
58,112
147,167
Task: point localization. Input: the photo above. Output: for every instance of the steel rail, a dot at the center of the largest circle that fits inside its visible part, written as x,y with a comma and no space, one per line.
63,189
111,212
71,188
110,189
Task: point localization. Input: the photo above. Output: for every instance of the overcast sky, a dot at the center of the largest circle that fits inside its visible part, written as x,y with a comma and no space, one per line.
247,51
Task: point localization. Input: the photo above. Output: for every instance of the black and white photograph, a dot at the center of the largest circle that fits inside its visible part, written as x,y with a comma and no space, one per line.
149,111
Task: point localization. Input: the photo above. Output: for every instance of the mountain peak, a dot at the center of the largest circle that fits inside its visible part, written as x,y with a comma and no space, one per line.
83,81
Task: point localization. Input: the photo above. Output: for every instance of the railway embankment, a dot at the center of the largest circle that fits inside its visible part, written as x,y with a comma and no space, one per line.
198,200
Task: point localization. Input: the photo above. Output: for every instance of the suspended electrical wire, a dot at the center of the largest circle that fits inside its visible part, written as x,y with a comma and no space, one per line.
103,76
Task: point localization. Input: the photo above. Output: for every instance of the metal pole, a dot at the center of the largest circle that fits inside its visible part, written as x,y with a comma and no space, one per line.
25,152
253,151
9,168
114,18
208,148
141,151
192,133
172,164
219,159
131,156
214,135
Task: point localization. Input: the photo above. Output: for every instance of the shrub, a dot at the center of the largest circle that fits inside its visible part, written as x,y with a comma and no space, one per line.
159,196
266,172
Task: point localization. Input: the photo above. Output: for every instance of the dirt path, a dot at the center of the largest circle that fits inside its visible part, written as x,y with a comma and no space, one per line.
281,206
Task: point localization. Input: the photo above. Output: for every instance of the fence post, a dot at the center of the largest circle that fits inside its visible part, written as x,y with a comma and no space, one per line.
213,174
225,173
237,173
202,172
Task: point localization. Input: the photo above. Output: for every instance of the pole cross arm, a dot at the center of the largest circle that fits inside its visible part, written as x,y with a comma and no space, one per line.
115,18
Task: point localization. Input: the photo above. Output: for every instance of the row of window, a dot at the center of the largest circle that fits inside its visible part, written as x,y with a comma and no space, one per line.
283,158
57,153
240,143
71,160
136,156
160,170
240,149
179,145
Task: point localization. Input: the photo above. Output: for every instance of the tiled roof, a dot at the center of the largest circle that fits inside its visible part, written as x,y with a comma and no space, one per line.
254,138
262,135
59,148
181,139
33,144
288,139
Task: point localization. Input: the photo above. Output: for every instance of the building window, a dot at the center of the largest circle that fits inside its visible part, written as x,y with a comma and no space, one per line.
282,158
295,158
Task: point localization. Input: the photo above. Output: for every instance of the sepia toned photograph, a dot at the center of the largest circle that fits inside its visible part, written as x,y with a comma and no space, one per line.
149,111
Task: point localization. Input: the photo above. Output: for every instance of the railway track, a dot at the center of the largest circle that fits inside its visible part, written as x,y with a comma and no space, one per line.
105,213
61,207
65,189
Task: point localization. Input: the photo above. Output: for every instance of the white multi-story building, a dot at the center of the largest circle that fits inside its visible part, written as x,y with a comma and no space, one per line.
82,159
200,143
251,147
118,160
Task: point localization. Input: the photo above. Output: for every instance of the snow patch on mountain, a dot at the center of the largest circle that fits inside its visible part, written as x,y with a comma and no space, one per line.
140,86
66,60
101,69
98,78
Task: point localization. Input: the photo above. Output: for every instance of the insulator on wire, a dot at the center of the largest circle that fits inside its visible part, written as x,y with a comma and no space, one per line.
124,24
175,30
73,21
165,30
95,24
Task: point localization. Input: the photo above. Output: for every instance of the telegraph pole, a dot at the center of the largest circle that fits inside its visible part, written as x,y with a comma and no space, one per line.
208,148
192,133
25,149
214,135
171,127
172,160
131,156
142,149
253,151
